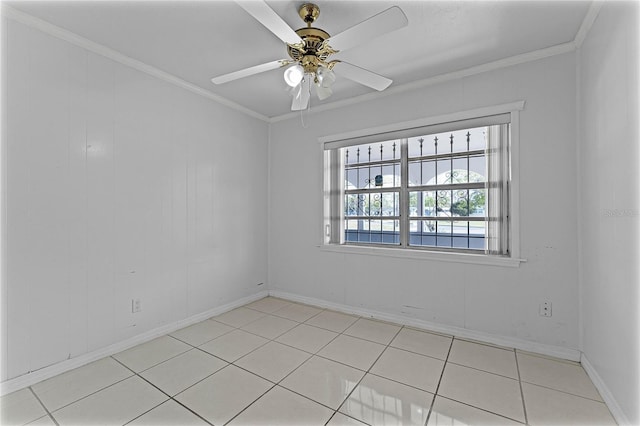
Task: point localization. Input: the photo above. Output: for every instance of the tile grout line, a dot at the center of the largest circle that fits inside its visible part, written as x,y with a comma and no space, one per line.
435,393
43,406
564,392
367,371
286,306
208,319
92,393
476,406
158,363
250,404
295,369
524,405
191,411
402,349
228,363
244,369
484,371
311,356
482,409
138,375
316,354
170,398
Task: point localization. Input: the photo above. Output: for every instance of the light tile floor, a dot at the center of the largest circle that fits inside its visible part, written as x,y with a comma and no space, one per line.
274,362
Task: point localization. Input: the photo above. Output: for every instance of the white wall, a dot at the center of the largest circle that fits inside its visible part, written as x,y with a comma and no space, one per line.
490,299
608,156
118,186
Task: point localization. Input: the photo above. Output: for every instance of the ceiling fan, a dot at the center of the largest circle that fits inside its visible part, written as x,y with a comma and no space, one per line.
309,49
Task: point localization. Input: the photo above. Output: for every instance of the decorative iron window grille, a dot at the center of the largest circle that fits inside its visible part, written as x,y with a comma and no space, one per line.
444,189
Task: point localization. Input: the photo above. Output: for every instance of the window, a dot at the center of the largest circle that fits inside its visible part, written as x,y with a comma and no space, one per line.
440,187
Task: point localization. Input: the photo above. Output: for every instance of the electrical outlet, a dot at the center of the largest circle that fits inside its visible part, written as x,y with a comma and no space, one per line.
545,309
136,305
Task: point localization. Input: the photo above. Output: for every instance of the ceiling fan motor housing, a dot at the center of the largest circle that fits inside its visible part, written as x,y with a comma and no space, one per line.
313,43
313,50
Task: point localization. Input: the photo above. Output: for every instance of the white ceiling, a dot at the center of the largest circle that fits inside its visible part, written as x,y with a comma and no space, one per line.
196,40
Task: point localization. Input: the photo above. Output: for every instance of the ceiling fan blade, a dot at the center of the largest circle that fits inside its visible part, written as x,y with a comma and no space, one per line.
301,96
271,20
249,71
384,22
362,76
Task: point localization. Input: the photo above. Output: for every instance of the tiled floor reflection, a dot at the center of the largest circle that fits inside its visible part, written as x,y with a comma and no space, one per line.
275,362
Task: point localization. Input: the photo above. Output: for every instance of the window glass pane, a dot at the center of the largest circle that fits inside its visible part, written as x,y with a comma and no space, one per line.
414,204
460,204
353,205
477,139
460,174
477,202
366,153
477,229
364,237
414,173
390,204
372,204
443,203
391,232
444,227
477,168
443,233
388,150
422,203
477,243
357,178
422,173
460,141
351,155
420,146
375,204
390,175
373,231
373,168
351,179
351,230
444,172
429,203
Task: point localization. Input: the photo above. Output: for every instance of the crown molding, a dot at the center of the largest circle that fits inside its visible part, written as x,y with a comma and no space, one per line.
571,46
46,27
587,22
75,39
442,78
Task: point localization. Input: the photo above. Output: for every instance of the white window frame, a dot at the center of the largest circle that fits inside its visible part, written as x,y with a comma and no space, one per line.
513,260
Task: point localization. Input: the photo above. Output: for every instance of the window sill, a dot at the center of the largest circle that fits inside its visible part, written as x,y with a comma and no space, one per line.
477,259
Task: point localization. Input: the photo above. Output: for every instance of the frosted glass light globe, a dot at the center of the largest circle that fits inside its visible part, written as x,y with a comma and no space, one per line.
293,75
326,77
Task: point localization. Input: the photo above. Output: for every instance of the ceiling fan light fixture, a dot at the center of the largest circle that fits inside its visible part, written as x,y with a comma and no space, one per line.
326,77
293,75
323,92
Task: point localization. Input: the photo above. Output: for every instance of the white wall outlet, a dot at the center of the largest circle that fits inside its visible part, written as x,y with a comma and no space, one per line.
136,305
545,309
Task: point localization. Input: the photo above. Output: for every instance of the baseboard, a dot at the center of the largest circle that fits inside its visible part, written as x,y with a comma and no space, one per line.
539,348
605,393
36,376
